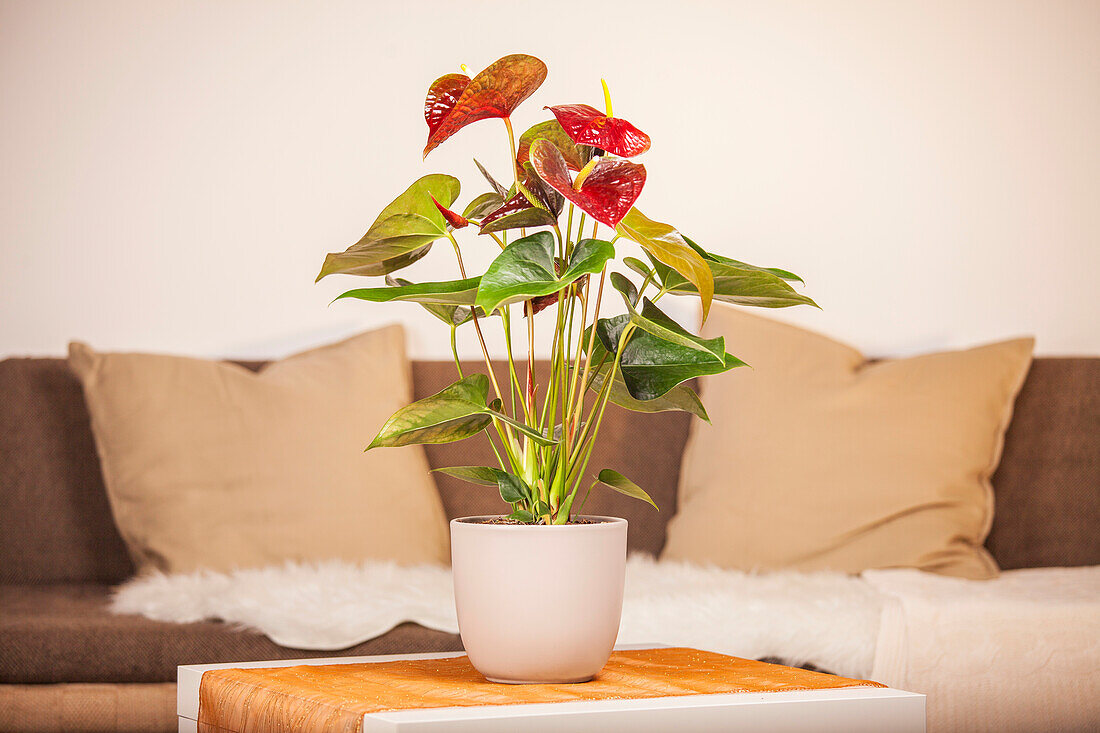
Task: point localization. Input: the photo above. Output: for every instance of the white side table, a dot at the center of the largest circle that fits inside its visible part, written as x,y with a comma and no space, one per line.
845,710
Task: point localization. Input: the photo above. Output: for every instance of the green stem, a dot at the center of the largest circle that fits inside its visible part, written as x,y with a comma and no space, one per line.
512,146
454,353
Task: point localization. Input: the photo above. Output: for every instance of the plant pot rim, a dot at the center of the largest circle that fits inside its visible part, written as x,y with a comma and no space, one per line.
479,521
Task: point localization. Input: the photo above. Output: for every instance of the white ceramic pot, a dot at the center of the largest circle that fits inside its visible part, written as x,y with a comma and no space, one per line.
538,603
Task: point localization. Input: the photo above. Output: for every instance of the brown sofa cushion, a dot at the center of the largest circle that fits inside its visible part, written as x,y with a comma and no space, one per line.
1047,488
64,633
80,706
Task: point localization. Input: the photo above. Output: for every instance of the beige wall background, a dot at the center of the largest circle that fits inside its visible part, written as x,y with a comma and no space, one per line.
174,172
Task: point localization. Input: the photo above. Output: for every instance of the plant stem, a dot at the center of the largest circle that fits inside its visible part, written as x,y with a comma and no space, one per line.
591,336
512,146
477,325
454,353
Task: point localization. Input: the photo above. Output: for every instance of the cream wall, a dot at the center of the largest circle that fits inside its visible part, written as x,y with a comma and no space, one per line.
173,173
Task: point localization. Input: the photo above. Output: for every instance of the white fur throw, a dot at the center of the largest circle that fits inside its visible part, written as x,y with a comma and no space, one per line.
828,619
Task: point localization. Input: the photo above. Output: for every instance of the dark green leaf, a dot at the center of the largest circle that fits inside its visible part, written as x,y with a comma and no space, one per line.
522,515
681,397
652,320
651,366
623,485
513,489
454,413
525,269
628,290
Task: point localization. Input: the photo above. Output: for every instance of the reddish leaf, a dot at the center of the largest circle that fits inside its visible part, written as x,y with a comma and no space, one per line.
516,213
540,193
607,193
457,221
588,126
442,96
495,92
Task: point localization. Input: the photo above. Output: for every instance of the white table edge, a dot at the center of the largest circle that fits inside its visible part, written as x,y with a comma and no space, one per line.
189,677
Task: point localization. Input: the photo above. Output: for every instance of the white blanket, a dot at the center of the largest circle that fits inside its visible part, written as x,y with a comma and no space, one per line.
828,619
1020,652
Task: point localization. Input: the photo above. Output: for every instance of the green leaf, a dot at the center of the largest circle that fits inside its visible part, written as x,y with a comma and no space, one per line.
449,292
740,286
626,288
454,413
651,366
639,267
623,485
784,274
652,320
513,489
452,315
525,269
662,242
481,475
409,223
367,264
482,205
681,397
522,515
563,511
527,430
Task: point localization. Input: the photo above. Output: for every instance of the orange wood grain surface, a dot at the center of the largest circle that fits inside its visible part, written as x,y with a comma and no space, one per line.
335,697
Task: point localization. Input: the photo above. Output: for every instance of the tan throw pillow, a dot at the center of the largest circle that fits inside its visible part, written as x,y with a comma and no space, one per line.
821,460
209,465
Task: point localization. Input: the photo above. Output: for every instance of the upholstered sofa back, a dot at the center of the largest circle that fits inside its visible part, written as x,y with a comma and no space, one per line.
56,526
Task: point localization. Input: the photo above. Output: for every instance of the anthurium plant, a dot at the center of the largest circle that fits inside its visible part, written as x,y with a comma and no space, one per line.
567,210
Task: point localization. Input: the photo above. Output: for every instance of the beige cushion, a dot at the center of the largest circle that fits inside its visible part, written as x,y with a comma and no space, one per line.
209,465
820,460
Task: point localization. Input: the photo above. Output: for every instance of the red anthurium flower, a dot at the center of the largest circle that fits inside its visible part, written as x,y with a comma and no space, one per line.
588,126
606,193
457,221
455,101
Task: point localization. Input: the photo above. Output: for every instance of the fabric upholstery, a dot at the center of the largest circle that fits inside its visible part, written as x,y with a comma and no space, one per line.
89,708
820,460
1047,488
55,523
64,633
56,526
211,466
